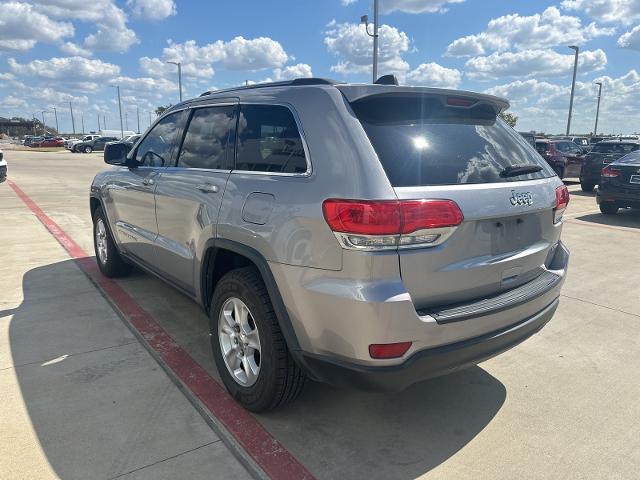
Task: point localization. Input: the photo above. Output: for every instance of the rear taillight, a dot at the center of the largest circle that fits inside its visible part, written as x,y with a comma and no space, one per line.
388,224
562,200
608,172
388,350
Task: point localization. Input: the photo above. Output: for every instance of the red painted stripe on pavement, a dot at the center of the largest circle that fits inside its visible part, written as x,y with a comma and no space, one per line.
274,459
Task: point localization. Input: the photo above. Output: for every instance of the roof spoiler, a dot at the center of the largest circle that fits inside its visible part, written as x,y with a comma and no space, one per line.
455,98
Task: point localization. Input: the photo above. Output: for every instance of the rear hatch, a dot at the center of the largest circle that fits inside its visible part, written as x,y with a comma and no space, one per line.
448,145
627,174
610,152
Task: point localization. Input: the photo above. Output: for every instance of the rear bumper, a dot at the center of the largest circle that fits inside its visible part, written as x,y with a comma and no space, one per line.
621,198
427,363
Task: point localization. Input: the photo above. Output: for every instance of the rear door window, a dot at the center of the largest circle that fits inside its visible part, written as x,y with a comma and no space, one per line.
209,140
620,148
542,148
421,141
269,140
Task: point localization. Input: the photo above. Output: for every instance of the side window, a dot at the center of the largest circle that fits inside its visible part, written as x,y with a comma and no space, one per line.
155,149
269,140
563,147
210,139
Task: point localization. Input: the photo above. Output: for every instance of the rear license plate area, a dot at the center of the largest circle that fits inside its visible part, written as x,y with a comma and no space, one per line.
635,179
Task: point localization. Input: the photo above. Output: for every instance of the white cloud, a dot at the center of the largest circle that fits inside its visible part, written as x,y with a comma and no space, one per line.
301,70
434,75
197,61
353,47
416,6
347,2
155,87
21,27
75,50
66,68
544,106
623,11
548,29
630,39
152,9
532,63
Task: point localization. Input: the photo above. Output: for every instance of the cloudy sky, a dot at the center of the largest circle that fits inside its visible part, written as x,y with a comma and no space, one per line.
56,51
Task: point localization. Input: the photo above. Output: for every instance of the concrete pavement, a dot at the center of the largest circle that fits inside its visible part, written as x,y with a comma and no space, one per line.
561,405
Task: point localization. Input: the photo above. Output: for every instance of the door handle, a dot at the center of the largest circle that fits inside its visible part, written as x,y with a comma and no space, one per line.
148,181
207,188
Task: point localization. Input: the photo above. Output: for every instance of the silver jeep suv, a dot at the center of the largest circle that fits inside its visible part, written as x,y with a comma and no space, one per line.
362,235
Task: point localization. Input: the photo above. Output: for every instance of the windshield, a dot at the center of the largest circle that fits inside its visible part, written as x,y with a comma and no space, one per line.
421,141
620,148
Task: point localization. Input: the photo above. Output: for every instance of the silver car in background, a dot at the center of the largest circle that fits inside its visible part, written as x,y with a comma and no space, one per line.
363,235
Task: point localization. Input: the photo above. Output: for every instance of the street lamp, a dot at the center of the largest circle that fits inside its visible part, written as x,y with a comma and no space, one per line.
595,129
179,76
365,20
44,128
73,122
120,110
573,85
55,113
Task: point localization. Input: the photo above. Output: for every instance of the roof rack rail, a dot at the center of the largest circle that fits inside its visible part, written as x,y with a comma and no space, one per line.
294,82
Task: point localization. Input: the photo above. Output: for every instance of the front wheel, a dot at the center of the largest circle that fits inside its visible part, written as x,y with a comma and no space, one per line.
248,346
88,149
110,262
608,208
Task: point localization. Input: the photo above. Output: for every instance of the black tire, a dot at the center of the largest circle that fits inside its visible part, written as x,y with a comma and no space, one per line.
87,149
587,187
608,208
113,265
280,380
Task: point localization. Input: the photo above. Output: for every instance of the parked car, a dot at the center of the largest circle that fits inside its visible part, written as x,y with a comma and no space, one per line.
96,144
74,141
33,141
620,184
50,142
582,142
529,137
3,167
602,154
431,242
565,157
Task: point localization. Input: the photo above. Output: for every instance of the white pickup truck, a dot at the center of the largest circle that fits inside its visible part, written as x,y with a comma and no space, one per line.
68,144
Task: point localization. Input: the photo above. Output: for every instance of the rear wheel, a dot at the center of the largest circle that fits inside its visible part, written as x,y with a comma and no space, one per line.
248,346
88,149
608,208
587,187
109,260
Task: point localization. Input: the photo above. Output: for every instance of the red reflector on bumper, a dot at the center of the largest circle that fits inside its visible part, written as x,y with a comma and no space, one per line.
388,350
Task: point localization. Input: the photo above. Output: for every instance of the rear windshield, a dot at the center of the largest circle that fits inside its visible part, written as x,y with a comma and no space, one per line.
621,148
420,141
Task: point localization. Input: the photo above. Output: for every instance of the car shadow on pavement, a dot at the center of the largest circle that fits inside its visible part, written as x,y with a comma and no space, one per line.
628,218
360,435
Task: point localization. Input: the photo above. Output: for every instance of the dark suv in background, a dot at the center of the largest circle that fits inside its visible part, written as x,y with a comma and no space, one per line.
96,144
602,154
563,156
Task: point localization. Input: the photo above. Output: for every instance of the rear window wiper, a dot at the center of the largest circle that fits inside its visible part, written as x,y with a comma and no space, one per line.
515,170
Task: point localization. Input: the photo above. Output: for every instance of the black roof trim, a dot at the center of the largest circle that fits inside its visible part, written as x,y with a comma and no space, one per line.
286,83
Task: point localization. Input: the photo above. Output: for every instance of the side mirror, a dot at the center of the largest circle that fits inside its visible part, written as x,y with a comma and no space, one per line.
116,154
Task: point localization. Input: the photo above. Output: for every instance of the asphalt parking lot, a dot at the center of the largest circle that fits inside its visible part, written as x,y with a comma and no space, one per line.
82,398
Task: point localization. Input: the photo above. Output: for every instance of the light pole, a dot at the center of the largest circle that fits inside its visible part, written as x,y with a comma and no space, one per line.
138,115
98,115
365,20
104,122
180,75
573,85
35,119
74,127
595,129
126,121
73,123
117,87
55,113
44,128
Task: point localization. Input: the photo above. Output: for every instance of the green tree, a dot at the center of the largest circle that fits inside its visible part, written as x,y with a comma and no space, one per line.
509,118
160,110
